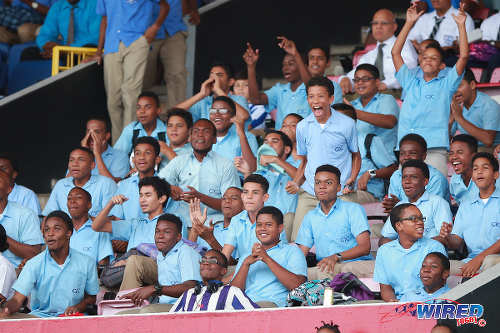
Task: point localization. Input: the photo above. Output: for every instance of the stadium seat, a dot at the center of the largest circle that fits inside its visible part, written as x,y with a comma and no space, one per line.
495,76
477,73
358,54
27,73
334,78
15,55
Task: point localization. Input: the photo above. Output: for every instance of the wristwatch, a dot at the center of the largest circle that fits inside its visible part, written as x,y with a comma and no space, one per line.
158,289
372,173
34,5
339,257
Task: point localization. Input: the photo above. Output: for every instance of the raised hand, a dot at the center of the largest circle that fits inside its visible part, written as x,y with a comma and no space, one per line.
412,15
195,214
461,17
251,56
242,165
287,45
118,199
207,86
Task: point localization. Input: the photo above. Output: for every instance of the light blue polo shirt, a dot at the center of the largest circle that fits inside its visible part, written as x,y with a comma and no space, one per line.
426,108
292,161
96,245
459,191
220,235
22,225
201,108
26,198
212,176
420,295
478,223
101,189
483,113
261,283
135,231
382,104
131,208
229,146
180,264
278,196
124,142
334,232
54,288
116,161
400,267
128,20
186,149
332,144
241,234
437,185
286,101
435,209
382,158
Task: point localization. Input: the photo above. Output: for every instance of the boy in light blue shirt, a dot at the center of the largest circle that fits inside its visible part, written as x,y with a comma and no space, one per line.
179,123
462,149
426,108
398,262
218,84
376,113
477,223
178,267
475,113
435,209
272,268
96,245
413,147
433,274
339,230
59,280
80,165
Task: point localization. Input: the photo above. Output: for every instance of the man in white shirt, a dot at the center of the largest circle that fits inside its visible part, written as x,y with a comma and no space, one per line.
439,25
490,30
383,28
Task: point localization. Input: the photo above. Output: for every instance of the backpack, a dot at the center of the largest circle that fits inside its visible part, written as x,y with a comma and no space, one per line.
350,285
311,293
135,135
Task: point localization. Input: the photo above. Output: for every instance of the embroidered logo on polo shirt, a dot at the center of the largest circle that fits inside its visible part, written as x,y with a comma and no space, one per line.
76,291
339,148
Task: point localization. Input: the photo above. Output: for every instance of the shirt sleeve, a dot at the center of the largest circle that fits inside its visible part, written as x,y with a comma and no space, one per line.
26,281
338,95
241,101
305,235
121,229
189,264
442,213
30,229
252,142
101,8
272,97
230,178
460,220
300,138
124,142
438,185
232,232
395,185
296,262
197,109
170,172
382,157
92,283
352,138
52,203
105,249
453,79
117,210
379,273
109,189
49,30
491,115
358,220
120,165
388,231
405,76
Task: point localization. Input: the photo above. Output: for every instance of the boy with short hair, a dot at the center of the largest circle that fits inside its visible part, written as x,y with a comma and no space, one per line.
148,123
476,223
289,127
241,234
462,149
258,113
413,147
179,123
429,97
218,84
272,268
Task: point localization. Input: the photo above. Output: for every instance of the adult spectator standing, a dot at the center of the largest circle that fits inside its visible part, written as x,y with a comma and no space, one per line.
127,29
109,162
19,194
74,21
213,267
170,46
475,113
21,225
383,28
20,20
59,280
80,165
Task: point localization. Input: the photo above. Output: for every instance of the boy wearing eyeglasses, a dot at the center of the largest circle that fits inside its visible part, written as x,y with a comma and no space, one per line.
178,267
376,113
211,294
398,262
435,209
232,139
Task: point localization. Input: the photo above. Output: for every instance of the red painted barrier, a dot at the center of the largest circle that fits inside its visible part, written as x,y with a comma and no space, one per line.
369,318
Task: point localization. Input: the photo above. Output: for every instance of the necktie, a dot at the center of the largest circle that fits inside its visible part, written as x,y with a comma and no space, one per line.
379,62
71,26
437,23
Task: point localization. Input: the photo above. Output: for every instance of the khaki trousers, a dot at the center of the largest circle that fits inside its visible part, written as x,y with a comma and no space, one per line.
123,77
488,262
305,203
360,268
359,196
438,158
140,271
288,224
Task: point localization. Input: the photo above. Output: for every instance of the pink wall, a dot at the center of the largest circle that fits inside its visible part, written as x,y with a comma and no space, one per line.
351,319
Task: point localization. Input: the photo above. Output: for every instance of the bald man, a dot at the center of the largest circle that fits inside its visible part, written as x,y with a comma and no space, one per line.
383,28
